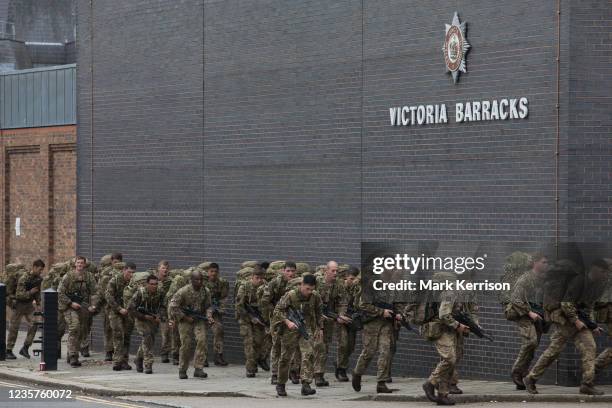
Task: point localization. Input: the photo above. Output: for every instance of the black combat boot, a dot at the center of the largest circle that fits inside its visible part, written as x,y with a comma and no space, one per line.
148,370
356,382
453,389
85,352
250,374
444,400
199,373
294,376
117,367
320,381
430,391
183,375
517,379
389,380
206,363
74,362
306,390
219,361
589,389
274,379
138,362
24,351
264,364
530,385
280,390
381,388
125,365
109,356
175,359
341,376
164,358
10,355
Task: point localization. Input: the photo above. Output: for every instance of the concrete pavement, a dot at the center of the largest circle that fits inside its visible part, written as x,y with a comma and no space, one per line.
97,377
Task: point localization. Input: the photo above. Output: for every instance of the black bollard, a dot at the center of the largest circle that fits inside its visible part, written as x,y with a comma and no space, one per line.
3,321
49,336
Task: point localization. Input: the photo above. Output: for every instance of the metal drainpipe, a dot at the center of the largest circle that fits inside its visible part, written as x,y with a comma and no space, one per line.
557,148
91,124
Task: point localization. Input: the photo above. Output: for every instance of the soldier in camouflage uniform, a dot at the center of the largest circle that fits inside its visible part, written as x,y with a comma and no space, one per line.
115,265
581,295
603,314
443,330
146,306
378,332
347,335
306,301
121,323
219,289
27,299
163,286
252,329
77,300
273,292
527,293
196,298
332,295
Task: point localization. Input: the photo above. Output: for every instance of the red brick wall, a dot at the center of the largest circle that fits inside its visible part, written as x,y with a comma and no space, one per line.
38,185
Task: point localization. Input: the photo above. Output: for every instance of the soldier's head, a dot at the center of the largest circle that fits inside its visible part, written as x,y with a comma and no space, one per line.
128,270
257,277
331,271
213,271
539,264
38,266
352,276
162,269
196,279
152,282
116,257
598,271
79,263
289,270
308,284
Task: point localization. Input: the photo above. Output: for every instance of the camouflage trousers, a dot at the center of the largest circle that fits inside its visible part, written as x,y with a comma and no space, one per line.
147,331
377,338
188,332
604,359
22,310
459,347
87,338
346,345
175,340
322,346
166,334
292,342
253,339
108,332
78,324
217,331
275,351
446,346
561,334
122,327
530,340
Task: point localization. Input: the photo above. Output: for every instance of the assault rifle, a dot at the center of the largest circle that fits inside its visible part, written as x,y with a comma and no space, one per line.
466,320
541,325
76,297
586,319
356,318
144,311
385,305
215,307
33,283
297,318
255,313
194,314
327,312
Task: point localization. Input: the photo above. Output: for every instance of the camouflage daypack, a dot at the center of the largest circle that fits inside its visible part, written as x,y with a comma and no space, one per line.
515,266
12,273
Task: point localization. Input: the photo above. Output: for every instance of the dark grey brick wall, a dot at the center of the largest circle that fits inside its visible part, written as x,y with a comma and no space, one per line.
234,130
